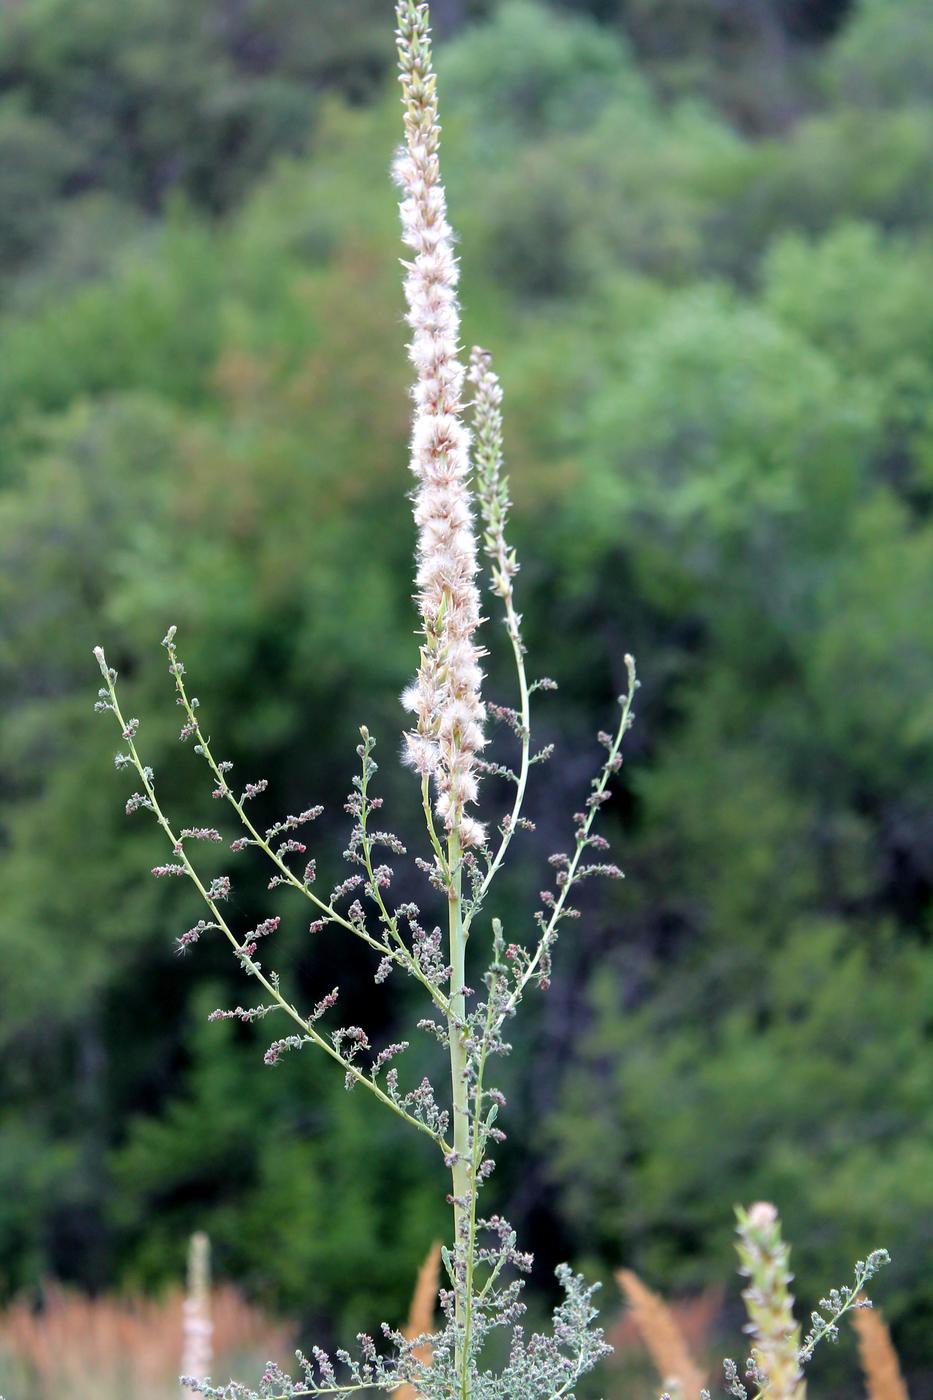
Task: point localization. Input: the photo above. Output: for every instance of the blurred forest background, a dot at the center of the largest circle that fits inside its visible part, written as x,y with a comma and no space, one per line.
696,235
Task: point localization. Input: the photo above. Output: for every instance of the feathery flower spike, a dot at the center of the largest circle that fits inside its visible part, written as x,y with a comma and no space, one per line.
445,695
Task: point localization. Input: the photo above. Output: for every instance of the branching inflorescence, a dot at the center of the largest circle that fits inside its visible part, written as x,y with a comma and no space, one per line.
463,857
778,1356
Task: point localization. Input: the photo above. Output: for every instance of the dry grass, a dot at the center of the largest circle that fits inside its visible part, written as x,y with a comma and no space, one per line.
421,1313
879,1359
663,1335
78,1348
694,1317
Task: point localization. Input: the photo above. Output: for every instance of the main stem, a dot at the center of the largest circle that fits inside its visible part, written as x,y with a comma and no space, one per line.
460,1170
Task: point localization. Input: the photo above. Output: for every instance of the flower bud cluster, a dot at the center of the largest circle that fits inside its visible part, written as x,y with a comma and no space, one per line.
765,1261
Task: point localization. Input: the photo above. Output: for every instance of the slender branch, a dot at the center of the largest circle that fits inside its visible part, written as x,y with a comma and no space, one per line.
389,921
432,830
497,1268
251,967
840,1301
339,1390
600,784
510,825
571,1380
401,954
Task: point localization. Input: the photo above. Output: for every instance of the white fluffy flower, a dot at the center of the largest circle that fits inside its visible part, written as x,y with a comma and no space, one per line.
445,696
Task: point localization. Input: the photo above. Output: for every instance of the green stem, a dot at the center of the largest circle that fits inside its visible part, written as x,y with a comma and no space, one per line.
476,1155
460,1170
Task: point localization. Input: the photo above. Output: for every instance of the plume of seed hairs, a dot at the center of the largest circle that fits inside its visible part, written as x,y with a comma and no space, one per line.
421,1313
663,1338
126,1348
882,1369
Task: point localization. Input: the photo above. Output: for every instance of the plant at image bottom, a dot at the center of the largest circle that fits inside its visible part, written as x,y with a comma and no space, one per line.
778,1354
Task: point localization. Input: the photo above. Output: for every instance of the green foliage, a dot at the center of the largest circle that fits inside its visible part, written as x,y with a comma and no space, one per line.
764,445
168,71
883,59
519,78
883,333
341,1243
160,97
716,352
811,1072
36,160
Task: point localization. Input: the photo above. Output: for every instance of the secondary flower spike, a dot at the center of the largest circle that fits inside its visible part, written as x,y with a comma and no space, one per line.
445,695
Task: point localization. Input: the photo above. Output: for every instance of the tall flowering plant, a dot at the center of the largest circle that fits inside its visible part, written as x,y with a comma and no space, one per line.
457,462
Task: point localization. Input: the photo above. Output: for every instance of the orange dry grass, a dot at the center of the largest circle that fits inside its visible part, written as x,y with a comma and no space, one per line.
421,1313
124,1349
695,1318
879,1359
663,1337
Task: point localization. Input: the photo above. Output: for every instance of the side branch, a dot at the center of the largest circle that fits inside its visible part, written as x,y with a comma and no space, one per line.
269,984
492,492
584,839
399,952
